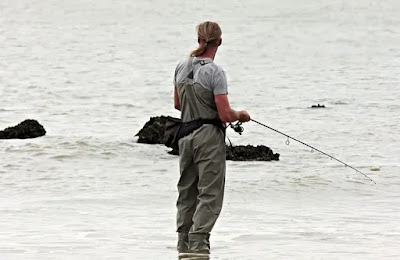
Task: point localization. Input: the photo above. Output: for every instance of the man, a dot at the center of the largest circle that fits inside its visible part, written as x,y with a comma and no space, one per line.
201,95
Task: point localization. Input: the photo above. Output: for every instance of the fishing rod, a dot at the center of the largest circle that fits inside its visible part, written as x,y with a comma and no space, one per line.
239,129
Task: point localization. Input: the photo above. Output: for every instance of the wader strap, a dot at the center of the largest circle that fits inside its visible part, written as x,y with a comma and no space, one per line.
190,67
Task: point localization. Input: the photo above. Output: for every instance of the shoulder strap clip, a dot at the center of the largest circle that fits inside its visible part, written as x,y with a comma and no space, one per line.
204,62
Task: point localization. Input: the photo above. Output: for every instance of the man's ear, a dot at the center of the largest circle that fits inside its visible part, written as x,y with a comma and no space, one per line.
220,42
198,40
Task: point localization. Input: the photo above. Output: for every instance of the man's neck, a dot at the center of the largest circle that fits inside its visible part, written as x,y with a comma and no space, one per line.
209,53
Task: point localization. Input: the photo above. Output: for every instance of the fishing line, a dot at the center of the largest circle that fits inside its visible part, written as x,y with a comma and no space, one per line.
313,148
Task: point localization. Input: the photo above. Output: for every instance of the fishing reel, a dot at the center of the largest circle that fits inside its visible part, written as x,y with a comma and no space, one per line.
238,128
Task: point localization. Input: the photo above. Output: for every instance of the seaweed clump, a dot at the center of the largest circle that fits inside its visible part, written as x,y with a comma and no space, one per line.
153,131
251,153
28,128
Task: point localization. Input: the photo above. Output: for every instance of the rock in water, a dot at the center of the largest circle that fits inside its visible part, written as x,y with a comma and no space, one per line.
318,106
246,153
27,129
153,131
250,153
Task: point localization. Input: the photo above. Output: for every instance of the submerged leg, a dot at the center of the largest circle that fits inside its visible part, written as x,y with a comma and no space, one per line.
187,198
209,156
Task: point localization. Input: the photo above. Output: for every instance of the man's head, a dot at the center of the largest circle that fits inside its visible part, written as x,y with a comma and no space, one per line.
208,36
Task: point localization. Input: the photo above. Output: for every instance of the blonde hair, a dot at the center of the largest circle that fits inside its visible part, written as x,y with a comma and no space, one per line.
209,34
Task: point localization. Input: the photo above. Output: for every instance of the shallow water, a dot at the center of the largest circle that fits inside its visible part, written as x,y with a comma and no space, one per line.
93,72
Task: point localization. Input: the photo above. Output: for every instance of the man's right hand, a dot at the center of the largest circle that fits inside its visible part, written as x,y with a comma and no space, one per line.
244,116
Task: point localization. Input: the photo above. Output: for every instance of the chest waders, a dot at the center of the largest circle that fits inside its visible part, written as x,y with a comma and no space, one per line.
202,166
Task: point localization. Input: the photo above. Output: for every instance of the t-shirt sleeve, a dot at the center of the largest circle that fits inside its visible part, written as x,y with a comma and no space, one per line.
177,71
220,83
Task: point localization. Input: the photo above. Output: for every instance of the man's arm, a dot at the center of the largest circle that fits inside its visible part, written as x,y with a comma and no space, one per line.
176,100
226,113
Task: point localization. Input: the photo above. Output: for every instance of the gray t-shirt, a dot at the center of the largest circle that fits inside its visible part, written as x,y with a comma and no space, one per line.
210,76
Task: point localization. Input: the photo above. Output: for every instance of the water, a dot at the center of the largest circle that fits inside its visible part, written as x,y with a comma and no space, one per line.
93,72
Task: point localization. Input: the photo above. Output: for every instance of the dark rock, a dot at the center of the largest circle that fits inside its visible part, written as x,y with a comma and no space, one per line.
26,129
250,153
153,133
